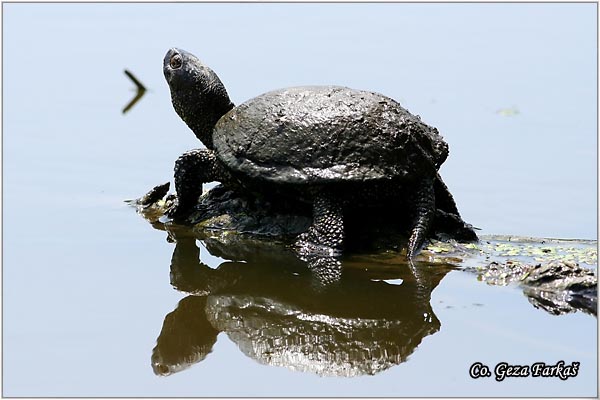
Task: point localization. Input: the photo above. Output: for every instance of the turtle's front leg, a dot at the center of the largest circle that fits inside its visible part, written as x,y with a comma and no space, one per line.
192,169
423,202
326,234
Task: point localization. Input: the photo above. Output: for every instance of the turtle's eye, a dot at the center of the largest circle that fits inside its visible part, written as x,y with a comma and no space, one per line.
176,61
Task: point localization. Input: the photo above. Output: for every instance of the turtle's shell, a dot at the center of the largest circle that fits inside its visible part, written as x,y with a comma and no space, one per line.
326,134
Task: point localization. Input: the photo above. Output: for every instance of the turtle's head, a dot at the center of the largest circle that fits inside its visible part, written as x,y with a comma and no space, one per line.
197,93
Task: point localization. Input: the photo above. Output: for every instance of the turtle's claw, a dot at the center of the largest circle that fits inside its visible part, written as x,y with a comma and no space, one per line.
176,212
415,243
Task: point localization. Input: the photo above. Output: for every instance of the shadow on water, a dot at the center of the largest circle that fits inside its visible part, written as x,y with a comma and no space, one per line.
356,315
280,311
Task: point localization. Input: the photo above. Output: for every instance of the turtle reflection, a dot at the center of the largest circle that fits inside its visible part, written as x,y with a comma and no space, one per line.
279,312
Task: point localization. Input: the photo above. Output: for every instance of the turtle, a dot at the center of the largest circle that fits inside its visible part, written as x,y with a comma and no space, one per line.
334,148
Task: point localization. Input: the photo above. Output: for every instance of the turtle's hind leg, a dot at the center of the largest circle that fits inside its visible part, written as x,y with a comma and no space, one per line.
447,219
423,203
326,234
443,198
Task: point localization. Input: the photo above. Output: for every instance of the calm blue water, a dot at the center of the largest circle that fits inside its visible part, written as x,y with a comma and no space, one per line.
86,281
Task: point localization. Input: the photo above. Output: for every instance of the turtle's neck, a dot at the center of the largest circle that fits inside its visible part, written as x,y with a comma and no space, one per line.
201,113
